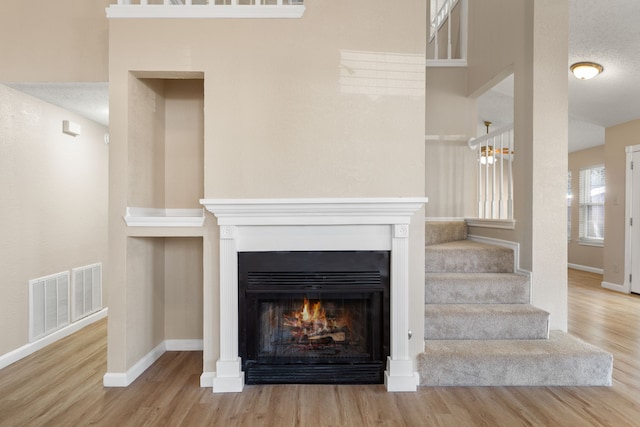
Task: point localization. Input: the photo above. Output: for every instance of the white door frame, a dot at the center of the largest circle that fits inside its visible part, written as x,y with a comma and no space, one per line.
628,212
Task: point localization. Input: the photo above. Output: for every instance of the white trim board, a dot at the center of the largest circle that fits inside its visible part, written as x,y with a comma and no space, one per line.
124,379
204,11
586,268
28,349
184,345
624,288
206,379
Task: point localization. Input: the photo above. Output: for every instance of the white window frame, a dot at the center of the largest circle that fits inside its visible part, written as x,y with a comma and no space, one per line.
587,194
569,199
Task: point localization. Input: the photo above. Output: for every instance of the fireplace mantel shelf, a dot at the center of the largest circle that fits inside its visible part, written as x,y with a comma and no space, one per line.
314,211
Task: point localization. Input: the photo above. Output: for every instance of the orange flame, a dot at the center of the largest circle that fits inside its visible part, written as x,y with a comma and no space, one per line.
310,320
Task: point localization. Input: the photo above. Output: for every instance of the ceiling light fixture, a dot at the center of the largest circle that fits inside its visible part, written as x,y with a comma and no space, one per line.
486,152
586,70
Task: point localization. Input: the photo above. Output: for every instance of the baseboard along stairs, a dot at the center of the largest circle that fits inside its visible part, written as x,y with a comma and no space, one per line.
480,328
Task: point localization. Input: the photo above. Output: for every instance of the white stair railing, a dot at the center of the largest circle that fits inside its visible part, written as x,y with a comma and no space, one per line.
206,9
447,38
211,2
495,173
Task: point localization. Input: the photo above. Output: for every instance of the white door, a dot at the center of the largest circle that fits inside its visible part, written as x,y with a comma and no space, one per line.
634,229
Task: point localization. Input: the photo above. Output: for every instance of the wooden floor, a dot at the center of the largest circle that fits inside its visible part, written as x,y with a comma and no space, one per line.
62,386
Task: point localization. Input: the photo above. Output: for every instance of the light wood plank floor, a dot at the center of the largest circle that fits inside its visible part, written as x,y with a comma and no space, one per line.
62,386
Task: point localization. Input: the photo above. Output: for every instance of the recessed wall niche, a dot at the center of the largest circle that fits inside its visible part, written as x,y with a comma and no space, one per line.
166,140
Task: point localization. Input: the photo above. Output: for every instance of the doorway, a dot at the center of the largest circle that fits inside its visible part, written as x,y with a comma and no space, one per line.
632,227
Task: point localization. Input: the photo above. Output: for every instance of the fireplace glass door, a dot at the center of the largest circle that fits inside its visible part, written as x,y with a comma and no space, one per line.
314,317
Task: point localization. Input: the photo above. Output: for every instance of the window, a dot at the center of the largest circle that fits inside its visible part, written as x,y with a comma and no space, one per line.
569,197
592,188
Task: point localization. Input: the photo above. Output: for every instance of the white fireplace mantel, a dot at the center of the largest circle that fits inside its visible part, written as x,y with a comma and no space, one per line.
314,224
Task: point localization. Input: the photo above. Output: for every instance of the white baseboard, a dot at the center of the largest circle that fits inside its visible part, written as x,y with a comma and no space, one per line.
625,288
586,268
115,380
28,349
184,345
124,379
206,379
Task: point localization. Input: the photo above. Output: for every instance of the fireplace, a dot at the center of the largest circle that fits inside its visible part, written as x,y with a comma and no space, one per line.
309,225
313,316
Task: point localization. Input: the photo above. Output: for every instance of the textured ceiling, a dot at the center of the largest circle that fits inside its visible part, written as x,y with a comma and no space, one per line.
606,32
602,31
89,100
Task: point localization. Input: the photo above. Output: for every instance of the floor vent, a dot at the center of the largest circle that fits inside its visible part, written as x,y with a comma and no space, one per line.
48,304
86,290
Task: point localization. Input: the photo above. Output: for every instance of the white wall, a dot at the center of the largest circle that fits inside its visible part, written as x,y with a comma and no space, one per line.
54,202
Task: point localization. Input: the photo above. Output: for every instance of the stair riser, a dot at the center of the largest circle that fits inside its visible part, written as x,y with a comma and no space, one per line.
437,232
486,327
451,370
467,262
476,293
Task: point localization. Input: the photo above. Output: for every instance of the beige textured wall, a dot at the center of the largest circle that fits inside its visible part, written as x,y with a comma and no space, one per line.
54,41
184,147
530,39
146,171
145,314
583,255
183,288
450,168
616,139
288,112
54,202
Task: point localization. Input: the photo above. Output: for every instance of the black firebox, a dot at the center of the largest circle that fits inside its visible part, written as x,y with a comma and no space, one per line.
319,317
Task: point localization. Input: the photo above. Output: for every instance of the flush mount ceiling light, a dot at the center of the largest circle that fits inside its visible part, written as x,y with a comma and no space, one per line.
586,70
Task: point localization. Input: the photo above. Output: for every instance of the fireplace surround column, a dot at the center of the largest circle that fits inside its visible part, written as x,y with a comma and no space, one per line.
399,375
311,225
229,376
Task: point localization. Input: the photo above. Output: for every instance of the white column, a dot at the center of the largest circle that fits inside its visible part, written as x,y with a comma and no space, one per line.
229,376
400,375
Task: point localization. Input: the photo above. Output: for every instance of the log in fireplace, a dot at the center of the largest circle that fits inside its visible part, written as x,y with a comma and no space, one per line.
314,316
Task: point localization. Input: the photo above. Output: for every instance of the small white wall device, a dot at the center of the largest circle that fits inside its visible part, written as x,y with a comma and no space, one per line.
70,128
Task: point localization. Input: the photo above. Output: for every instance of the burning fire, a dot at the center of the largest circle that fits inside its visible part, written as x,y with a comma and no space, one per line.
311,323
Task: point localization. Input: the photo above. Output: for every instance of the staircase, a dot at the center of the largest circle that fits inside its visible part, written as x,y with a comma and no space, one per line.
480,328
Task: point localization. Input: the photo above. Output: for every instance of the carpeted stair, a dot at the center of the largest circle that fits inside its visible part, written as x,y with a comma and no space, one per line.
480,328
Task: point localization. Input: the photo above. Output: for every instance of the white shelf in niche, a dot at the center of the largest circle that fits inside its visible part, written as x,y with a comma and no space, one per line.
161,217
